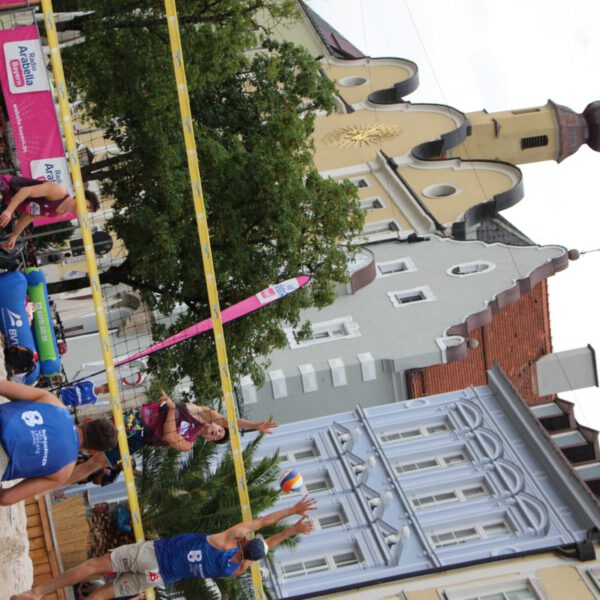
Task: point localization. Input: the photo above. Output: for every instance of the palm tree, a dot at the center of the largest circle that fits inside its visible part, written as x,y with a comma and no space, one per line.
198,493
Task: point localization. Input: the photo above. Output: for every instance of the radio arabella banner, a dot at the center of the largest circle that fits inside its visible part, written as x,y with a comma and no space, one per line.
30,106
4,4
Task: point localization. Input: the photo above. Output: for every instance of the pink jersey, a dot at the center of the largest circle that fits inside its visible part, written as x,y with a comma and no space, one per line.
39,207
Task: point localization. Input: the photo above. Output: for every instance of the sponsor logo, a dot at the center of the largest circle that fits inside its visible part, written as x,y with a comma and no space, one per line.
15,318
34,208
152,576
194,556
195,560
32,418
277,291
10,322
53,169
268,295
25,67
17,73
39,440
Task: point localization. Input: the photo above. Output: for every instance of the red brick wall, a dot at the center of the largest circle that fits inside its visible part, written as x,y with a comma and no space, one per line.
517,336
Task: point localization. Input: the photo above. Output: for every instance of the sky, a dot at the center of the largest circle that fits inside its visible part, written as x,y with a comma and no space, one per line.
502,55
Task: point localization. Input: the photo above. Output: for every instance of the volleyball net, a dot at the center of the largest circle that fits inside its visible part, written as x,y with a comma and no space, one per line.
117,314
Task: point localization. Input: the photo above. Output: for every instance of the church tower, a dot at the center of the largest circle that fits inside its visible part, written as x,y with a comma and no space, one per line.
550,132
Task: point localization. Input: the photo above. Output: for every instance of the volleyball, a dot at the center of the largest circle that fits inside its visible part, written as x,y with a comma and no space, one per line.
290,481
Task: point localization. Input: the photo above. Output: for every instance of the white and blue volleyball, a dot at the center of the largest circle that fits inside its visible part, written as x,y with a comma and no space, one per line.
290,481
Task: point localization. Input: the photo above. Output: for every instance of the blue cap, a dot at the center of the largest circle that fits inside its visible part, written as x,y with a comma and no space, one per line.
256,548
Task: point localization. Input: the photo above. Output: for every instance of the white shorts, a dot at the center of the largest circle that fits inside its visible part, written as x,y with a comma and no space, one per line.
136,567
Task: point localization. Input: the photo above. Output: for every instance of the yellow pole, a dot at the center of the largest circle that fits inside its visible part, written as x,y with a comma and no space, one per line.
90,255
209,273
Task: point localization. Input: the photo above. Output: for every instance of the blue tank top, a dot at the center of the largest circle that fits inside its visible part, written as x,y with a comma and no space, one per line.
190,555
78,394
39,438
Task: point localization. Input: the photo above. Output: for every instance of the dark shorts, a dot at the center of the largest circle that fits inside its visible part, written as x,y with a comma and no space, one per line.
135,442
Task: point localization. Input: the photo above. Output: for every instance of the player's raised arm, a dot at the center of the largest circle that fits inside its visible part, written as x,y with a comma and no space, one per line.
18,391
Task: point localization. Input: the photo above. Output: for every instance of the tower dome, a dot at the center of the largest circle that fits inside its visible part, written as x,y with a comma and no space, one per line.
592,118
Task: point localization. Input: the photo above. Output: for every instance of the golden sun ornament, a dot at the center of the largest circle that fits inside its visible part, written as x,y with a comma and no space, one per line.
362,135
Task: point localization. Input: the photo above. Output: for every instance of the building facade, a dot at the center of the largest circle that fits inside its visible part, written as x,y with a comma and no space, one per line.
425,486
408,305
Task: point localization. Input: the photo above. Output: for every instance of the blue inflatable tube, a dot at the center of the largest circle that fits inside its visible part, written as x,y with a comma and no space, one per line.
43,327
14,324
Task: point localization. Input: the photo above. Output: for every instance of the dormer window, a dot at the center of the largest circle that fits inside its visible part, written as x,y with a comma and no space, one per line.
542,411
392,267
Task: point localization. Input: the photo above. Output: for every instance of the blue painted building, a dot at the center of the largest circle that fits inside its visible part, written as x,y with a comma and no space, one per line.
426,485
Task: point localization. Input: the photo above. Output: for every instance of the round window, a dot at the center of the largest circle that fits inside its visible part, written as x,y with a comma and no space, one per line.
354,81
471,268
440,190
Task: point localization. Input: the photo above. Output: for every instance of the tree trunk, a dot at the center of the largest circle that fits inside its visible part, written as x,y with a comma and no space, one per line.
114,275
100,169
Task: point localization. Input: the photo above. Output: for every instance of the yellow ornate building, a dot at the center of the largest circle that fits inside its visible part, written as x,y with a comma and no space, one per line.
421,168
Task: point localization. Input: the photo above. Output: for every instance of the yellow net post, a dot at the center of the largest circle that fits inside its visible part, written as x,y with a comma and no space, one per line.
90,254
209,273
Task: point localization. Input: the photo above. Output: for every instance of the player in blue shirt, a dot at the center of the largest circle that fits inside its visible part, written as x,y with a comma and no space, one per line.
82,392
39,441
148,564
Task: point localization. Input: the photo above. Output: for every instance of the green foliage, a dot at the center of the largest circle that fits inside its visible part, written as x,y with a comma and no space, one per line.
271,216
198,494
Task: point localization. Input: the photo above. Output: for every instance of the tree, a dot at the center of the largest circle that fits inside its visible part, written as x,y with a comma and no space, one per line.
271,216
192,496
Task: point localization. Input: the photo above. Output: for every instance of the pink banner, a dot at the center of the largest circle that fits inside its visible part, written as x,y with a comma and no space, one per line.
245,307
14,4
30,106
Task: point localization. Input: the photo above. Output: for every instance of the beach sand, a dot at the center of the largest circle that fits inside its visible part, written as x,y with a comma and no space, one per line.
16,569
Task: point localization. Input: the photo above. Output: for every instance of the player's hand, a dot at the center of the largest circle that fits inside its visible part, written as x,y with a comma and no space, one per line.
266,426
305,504
164,399
5,217
10,242
304,525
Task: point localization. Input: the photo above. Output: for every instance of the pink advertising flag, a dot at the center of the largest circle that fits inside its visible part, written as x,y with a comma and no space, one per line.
4,4
30,106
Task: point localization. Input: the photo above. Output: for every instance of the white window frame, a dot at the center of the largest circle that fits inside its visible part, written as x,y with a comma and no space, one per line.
385,226
489,266
406,262
367,203
334,511
329,559
356,181
539,409
459,493
424,290
562,439
293,455
322,478
583,468
483,590
441,461
480,534
330,328
421,431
